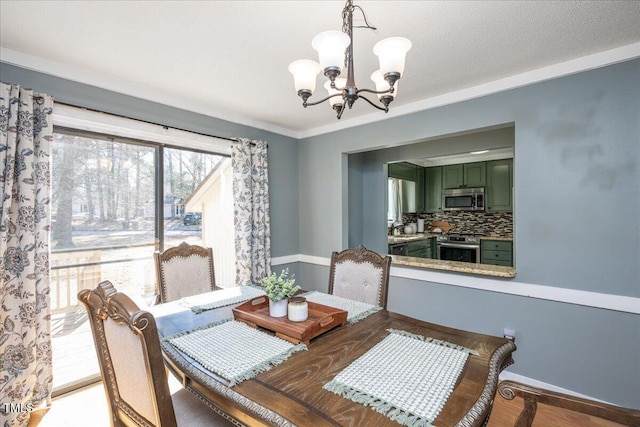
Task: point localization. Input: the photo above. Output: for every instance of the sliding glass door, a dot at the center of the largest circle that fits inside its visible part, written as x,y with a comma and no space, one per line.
198,207
103,228
107,221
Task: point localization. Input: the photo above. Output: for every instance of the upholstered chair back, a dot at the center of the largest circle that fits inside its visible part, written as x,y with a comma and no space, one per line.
183,271
360,274
130,358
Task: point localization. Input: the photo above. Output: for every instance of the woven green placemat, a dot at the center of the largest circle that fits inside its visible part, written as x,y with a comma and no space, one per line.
220,298
234,350
405,377
356,310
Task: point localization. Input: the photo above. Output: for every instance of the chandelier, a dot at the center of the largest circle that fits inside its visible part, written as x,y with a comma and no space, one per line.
335,52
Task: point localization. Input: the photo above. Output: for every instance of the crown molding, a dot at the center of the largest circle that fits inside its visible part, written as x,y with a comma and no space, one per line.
585,63
103,81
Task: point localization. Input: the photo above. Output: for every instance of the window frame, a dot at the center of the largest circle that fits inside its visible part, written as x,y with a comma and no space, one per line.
80,122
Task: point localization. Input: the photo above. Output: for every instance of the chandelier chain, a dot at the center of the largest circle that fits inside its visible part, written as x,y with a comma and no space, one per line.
347,24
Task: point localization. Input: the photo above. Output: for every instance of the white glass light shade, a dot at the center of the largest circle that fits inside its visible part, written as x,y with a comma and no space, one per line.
382,84
340,84
304,74
391,53
331,46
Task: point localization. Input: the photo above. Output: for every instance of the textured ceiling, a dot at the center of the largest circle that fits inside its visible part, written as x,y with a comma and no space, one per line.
230,58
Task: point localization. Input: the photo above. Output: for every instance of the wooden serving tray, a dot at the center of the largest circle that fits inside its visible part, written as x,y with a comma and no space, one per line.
322,318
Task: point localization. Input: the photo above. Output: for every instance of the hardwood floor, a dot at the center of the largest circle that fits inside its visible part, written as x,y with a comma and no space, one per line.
80,408
506,412
89,407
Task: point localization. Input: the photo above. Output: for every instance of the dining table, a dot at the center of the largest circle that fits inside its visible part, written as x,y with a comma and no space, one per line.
292,393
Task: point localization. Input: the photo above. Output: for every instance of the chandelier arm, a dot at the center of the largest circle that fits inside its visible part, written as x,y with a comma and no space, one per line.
322,100
381,92
373,105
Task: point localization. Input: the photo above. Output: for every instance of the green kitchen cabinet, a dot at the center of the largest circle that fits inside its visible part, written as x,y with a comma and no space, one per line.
424,248
402,170
452,176
464,175
418,249
432,248
433,189
496,252
475,174
499,191
419,189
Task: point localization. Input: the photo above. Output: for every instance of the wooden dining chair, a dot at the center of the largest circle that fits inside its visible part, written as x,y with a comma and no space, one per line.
183,271
360,274
133,373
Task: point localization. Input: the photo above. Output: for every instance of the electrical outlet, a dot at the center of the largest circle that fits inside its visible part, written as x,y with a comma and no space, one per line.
509,332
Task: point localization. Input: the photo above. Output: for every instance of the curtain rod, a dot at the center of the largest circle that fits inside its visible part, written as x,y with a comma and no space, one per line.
149,122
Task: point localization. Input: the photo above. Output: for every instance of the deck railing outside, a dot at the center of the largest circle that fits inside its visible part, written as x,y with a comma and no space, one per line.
130,268
72,271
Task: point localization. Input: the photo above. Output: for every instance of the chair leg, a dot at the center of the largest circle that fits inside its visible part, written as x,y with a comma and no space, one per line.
528,413
532,395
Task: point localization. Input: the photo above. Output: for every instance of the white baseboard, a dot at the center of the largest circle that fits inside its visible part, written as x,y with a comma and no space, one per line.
287,259
505,375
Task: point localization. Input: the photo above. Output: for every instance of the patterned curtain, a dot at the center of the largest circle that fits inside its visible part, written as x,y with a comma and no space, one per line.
251,210
25,331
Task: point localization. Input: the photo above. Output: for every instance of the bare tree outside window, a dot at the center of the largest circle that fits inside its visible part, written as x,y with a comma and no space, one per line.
185,172
104,217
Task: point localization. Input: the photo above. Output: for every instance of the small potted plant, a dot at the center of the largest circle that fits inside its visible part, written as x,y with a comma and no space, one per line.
278,289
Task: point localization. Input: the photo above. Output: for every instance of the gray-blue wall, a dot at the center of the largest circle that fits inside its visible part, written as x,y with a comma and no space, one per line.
577,226
577,222
577,155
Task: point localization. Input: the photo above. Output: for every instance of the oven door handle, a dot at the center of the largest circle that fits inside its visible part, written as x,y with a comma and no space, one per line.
459,246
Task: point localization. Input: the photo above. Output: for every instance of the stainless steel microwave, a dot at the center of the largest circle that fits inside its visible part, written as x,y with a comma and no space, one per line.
463,199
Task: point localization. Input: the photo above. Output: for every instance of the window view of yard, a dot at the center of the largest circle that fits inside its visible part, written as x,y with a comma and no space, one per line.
106,225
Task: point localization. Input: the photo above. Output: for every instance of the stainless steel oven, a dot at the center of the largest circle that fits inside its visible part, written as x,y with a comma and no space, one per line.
459,248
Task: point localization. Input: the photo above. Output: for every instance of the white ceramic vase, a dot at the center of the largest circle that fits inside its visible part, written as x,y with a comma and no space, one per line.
278,308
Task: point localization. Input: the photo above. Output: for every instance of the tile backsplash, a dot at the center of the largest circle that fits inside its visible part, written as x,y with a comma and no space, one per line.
498,224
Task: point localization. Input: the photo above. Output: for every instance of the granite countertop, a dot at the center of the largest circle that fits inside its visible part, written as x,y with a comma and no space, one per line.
405,238
458,267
